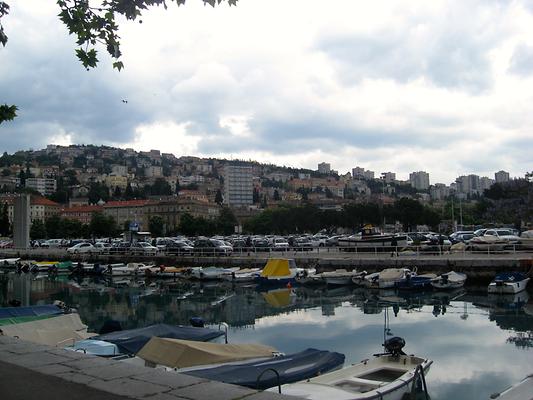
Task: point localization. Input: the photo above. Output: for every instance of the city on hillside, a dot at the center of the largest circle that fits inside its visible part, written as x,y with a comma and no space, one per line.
157,190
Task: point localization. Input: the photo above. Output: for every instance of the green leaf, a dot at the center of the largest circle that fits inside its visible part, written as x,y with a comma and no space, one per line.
118,65
7,113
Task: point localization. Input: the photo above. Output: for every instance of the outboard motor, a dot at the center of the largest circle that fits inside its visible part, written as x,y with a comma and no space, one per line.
197,322
394,346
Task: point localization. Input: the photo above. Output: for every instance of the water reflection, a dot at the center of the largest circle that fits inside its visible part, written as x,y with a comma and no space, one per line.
479,343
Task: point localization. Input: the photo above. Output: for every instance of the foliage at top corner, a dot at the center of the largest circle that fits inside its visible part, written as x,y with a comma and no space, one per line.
94,25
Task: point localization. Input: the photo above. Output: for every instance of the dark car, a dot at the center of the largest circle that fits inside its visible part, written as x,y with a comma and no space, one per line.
177,247
120,248
302,244
261,244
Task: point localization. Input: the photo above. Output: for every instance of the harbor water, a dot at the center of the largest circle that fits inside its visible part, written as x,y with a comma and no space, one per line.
480,344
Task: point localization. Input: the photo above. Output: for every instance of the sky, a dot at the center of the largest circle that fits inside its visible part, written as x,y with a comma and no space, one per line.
440,86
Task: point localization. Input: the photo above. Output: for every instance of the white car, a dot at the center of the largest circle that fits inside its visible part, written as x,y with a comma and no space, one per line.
102,247
280,244
82,248
143,248
502,234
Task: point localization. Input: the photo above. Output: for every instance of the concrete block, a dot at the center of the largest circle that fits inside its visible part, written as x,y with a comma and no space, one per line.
163,396
170,379
208,390
113,371
37,359
76,377
88,362
52,369
128,387
8,340
22,347
75,355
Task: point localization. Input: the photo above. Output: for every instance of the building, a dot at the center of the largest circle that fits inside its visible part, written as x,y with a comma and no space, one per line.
153,171
127,211
82,214
439,191
41,208
119,170
468,184
419,180
485,183
238,185
44,186
501,176
324,168
388,177
112,181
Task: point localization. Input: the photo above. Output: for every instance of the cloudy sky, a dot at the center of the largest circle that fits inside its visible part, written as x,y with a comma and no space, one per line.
402,86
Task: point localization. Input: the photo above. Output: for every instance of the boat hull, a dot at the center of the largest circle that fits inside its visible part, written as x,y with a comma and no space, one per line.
508,287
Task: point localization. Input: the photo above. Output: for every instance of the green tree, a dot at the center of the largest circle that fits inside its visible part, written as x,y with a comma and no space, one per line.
156,225
276,195
37,230
226,221
54,227
102,225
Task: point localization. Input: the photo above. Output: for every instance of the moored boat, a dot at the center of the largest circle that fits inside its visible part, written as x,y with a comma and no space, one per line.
415,282
371,237
341,276
278,271
522,390
449,280
508,282
387,376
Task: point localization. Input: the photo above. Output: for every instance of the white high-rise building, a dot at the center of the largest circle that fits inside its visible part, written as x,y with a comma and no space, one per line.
238,185
501,176
485,183
361,173
439,191
419,180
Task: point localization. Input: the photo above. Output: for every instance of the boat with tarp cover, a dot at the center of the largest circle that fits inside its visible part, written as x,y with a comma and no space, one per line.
278,271
130,341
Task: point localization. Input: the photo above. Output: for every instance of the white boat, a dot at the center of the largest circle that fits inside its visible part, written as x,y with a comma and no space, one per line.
386,279
523,390
449,280
242,275
387,376
6,262
210,273
309,276
279,271
341,276
371,237
508,282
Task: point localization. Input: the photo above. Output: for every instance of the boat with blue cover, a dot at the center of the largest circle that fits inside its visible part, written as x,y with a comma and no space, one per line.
508,282
130,341
413,281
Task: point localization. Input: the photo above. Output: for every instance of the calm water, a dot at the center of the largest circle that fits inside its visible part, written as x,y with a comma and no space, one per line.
480,344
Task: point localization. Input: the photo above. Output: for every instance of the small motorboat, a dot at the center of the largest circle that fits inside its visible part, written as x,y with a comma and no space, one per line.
242,275
449,280
210,273
508,282
387,376
415,282
341,276
309,276
386,279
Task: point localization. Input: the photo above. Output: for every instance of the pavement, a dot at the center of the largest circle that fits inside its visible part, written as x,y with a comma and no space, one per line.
32,371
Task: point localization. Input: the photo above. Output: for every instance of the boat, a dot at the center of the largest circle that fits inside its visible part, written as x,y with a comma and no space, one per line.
132,340
341,276
371,237
522,390
242,275
508,282
210,273
309,276
279,271
386,279
58,330
13,315
449,280
258,374
8,262
416,282
387,376
182,355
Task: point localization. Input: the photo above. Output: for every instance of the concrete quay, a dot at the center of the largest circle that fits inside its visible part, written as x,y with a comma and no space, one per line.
477,265
32,371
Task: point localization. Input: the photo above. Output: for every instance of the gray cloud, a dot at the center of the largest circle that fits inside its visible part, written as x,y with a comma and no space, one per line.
454,59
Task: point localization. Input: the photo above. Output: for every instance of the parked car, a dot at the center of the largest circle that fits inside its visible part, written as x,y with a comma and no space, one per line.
143,248
82,248
503,234
208,246
280,243
178,247
102,247
260,244
54,243
119,248
302,244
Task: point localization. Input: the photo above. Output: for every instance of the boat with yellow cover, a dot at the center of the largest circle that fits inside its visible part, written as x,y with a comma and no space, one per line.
279,271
